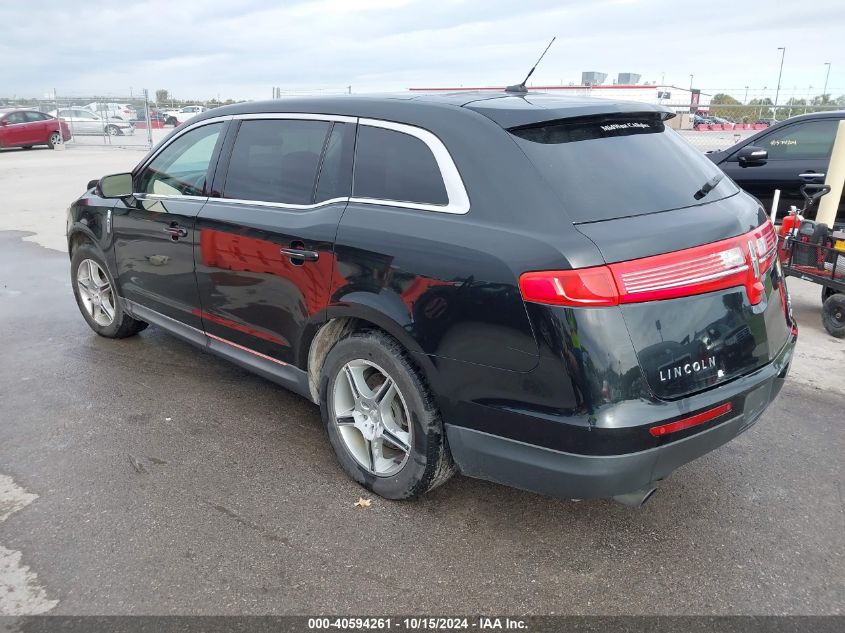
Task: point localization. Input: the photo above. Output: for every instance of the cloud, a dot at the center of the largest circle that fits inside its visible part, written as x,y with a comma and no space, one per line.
241,48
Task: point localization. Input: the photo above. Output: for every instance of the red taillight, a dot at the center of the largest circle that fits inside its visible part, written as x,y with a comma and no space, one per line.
738,261
682,273
693,420
585,287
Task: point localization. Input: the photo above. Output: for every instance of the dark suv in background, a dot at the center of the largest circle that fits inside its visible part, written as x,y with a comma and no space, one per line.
556,294
785,156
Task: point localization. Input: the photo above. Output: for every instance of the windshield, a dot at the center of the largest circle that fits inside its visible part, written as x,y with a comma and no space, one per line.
618,166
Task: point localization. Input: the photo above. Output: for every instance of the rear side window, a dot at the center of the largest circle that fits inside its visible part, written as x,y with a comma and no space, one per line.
619,166
391,165
276,160
807,140
34,117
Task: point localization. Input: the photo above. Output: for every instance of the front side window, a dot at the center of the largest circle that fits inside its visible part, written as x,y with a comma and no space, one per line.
392,165
181,169
276,160
802,141
16,117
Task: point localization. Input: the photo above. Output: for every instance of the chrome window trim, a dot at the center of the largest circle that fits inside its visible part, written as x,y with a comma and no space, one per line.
280,205
164,196
303,116
455,189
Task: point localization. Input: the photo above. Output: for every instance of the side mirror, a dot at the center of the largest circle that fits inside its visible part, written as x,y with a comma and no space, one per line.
115,186
751,155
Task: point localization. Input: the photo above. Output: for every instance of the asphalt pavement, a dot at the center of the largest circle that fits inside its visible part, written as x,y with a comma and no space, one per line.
169,481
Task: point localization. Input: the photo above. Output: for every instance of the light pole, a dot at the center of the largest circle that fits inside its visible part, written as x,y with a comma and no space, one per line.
826,77
690,82
782,49
745,100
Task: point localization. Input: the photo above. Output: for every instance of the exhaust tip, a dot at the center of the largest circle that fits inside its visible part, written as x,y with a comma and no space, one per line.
637,498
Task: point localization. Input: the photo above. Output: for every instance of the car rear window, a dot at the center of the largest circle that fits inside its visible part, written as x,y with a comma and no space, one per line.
392,165
619,166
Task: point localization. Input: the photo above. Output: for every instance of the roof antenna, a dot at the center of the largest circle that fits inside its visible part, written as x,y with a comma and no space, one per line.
520,88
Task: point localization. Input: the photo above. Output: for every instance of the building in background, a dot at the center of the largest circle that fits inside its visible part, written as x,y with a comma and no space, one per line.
592,78
627,79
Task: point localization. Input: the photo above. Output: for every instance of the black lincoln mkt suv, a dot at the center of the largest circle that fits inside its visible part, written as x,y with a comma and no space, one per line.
557,294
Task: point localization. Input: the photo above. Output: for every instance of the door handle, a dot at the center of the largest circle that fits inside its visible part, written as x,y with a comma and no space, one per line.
811,175
176,231
300,253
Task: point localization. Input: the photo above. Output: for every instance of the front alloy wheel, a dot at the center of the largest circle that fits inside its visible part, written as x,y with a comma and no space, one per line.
95,292
97,296
372,418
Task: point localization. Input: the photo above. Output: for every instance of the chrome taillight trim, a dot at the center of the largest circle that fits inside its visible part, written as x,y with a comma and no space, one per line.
687,281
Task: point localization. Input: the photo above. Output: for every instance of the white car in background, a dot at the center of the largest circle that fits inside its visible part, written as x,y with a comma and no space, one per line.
82,121
177,116
124,111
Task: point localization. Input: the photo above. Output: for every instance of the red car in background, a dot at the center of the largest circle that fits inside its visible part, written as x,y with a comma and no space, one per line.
25,128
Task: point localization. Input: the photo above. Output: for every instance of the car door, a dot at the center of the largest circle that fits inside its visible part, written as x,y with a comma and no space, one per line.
154,233
79,121
18,129
41,126
265,257
799,153
88,122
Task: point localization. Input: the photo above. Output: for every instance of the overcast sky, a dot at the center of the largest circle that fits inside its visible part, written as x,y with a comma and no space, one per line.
241,48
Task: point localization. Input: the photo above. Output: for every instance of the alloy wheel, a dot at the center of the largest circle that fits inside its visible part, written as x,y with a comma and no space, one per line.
372,417
55,138
96,292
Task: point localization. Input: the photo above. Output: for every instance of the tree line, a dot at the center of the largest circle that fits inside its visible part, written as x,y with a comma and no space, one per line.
727,107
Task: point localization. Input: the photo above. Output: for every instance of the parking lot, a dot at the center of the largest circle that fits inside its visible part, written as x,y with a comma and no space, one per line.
170,481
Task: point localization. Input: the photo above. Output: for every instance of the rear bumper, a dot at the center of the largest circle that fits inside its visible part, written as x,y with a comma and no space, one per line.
569,475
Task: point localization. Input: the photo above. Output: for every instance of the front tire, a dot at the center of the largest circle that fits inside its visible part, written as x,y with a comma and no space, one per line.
96,295
381,419
113,130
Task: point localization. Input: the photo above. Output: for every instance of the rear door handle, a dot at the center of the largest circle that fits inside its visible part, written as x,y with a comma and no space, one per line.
811,175
300,253
176,231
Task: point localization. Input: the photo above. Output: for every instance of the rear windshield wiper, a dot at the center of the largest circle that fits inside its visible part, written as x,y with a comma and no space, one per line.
708,186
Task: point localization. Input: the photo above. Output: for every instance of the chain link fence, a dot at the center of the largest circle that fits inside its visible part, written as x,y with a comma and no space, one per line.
721,118
109,120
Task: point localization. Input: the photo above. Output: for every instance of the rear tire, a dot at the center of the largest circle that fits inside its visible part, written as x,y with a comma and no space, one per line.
827,292
96,295
406,454
833,315
54,139
171,121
